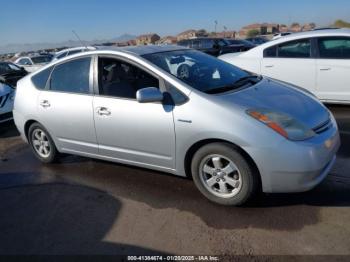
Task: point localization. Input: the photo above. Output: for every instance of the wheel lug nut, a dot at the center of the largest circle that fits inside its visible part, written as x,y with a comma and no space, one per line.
218,180
223,180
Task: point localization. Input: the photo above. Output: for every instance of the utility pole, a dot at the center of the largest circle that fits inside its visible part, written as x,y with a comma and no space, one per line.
216,24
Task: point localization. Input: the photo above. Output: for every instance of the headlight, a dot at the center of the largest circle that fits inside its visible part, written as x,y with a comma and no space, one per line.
282,123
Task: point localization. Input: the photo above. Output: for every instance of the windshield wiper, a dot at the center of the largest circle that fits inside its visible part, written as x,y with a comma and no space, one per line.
253,79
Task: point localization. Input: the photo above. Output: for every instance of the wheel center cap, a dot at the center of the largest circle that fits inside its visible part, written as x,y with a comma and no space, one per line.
220,174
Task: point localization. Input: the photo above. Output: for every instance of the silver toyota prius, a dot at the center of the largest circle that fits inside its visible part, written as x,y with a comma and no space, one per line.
180,111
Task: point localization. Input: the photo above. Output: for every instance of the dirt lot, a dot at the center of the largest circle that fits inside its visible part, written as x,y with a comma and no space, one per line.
84,206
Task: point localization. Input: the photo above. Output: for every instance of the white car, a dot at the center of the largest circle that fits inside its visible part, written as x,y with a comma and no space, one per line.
7,94
318,61
71,51
33,63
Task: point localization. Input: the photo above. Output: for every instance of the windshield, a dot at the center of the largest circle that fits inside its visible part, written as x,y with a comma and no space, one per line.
201,71
41,59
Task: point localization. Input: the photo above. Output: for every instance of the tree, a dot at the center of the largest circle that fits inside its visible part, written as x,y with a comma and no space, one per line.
253,33
341,23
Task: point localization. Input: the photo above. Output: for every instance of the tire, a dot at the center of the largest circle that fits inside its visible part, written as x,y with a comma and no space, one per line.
223,175
42,146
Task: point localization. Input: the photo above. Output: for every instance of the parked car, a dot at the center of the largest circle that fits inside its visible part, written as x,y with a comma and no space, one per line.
71,51
318,61
211,46
233,132
246,44
33,63
279,35
11,73
257,40
7,94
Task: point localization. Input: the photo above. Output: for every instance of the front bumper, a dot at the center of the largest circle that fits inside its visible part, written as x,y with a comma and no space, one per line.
297,166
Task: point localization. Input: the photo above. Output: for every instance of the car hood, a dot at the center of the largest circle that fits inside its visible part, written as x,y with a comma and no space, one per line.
268,94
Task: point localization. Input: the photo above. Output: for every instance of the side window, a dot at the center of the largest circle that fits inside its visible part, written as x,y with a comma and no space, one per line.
62,55
24,61
295,49
40,79
207,43
74,52
72,76
270,52
334,47
121,79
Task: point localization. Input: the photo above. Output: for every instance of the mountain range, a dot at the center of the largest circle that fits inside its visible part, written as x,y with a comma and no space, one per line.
13,48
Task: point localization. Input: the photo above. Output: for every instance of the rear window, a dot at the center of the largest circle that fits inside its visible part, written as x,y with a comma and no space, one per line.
39,80
334,47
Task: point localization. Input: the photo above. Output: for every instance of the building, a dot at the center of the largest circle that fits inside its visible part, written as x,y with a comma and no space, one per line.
147,39
295,27
262,29
308,27
225,34
283,29
167,40
188,34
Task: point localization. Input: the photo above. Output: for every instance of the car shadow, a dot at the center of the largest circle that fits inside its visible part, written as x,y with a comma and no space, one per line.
8,129
60,219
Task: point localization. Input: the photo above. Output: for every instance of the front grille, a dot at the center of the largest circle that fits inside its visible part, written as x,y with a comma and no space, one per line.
6,116
323,127
3,100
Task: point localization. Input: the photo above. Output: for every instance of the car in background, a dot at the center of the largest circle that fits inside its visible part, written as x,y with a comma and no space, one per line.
318,61
72,51
7,94
33,63
211,46
11,73
247,45
257,40
279,35
224,127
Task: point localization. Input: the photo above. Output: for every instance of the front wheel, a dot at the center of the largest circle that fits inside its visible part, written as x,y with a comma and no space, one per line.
42,144
223,175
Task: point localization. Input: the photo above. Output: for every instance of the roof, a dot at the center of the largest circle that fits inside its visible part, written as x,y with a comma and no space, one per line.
143,49
146,35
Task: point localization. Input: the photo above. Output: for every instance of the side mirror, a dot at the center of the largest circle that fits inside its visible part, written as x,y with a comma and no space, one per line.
149,94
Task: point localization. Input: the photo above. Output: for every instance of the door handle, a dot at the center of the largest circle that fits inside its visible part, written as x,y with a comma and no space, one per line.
103,111
269,66
325,69
45,103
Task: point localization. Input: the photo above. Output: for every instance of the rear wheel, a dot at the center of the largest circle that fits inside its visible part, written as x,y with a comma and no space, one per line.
223,175
42,144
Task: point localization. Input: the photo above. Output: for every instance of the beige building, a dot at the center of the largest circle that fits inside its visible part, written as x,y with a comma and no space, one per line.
147,39
167,40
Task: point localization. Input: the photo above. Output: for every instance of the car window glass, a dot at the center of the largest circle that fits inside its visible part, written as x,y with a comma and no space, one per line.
74,52
41,59
40,79
270,52
72,76
121,79
14,67
62,55
207,43
337,48
24,61
295,49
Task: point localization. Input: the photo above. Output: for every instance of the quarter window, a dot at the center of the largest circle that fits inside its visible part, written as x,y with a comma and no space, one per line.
39,80
121,79
270,52
72,76
335,47
295,49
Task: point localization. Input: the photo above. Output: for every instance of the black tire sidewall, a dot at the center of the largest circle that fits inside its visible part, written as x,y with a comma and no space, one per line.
248,180
53,153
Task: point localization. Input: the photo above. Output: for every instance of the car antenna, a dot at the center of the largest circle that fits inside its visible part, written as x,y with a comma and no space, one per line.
79,39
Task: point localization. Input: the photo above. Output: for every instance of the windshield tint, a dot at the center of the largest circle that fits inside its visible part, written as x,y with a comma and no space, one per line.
41,59
201,71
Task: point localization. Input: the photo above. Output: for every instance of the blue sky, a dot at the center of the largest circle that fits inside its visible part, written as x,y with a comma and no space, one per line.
31,21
